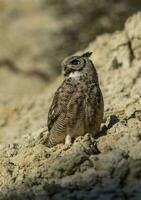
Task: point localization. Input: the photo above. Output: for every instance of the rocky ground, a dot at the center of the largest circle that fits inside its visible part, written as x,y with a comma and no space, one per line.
30,170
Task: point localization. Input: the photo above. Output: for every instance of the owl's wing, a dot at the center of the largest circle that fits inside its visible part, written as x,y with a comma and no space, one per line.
59,103
54,110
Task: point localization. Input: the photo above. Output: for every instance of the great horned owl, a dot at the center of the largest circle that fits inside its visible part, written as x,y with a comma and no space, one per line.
77,107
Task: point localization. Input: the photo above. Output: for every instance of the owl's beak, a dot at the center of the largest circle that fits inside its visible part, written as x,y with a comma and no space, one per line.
67,70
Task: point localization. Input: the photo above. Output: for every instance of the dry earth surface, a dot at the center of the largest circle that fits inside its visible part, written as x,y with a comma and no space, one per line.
30,170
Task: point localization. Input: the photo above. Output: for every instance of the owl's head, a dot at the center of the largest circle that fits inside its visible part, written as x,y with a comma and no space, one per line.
75,63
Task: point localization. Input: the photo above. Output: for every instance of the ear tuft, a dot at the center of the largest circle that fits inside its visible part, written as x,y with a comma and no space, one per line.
87,54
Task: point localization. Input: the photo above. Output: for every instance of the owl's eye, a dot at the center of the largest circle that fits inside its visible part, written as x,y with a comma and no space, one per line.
75,62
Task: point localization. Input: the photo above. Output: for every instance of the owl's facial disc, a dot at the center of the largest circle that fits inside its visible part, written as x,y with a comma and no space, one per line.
73,64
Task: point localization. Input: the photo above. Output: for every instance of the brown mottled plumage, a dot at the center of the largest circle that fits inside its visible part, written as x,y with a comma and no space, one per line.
77,107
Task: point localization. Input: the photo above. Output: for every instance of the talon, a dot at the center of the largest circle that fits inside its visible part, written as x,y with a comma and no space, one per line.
68,140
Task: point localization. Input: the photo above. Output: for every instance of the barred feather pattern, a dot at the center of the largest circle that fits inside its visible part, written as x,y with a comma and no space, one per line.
77,106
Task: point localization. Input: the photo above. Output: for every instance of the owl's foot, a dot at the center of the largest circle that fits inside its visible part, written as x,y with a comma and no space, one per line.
68,141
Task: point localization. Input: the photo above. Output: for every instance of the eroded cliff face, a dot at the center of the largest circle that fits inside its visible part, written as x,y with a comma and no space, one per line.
30,170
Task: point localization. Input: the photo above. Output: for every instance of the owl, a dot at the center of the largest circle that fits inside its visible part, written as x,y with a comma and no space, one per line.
77,107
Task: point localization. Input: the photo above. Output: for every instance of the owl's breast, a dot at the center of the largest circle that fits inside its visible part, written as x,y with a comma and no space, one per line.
94,108
84,110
